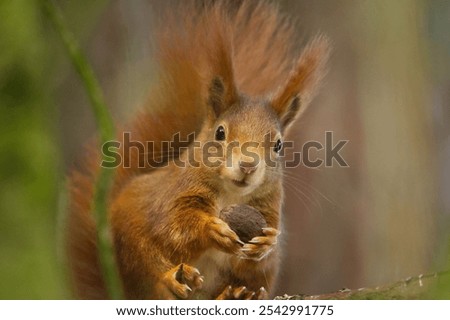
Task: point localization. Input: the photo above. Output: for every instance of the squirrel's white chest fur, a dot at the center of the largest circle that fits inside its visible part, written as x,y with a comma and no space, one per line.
212,262
231,199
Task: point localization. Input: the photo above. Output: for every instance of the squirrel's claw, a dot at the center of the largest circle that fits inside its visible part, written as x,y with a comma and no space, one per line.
255,252
271,232
262,294
264,240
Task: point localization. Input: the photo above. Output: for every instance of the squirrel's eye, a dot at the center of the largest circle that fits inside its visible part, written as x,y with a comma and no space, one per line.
220,133
278,146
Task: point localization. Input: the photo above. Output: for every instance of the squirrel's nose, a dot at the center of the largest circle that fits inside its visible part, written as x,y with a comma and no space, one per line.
247,167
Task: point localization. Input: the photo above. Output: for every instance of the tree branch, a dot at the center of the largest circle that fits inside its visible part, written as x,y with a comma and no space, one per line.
411,288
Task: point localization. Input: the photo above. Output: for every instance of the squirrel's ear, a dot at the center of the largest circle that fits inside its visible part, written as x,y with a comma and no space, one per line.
302,82
220,96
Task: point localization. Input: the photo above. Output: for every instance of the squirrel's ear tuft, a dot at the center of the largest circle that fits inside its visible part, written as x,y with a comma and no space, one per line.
302,82
216,96
290,113
219,51
220,97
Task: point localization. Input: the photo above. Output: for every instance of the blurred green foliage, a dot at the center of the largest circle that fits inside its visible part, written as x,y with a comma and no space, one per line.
31,172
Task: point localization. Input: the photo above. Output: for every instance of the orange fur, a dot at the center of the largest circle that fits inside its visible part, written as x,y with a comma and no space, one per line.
165,219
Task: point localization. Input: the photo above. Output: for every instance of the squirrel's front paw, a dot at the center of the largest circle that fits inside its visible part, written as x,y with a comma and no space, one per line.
223,237
259,247
181,282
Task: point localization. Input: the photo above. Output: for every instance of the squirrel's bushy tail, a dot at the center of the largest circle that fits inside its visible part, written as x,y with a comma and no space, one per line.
249,44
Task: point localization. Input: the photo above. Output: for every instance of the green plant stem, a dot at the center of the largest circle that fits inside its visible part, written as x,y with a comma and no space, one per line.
106,127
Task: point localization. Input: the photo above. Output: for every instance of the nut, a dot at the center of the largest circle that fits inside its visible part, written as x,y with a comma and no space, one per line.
245,220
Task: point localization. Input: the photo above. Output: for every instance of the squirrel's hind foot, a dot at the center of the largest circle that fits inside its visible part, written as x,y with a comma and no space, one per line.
180,282
242,293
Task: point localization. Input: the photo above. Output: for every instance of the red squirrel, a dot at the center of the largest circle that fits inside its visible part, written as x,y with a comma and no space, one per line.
229,72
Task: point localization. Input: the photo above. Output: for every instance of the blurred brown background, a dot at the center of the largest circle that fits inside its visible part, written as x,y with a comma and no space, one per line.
383,218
